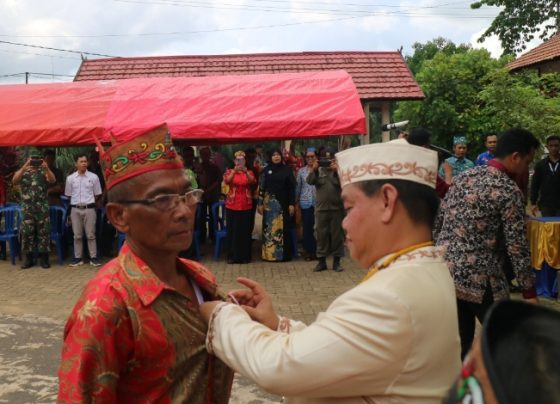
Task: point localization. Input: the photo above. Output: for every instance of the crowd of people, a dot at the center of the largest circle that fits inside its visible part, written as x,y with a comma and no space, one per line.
398,336
298,196
299,204
435,241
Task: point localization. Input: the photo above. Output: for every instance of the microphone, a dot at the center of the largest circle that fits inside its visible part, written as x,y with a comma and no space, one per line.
396,125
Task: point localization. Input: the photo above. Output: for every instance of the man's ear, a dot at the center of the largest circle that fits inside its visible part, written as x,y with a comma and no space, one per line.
389,197
118,216
516,157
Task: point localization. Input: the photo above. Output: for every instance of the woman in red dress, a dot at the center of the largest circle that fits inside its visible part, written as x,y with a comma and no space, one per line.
239,202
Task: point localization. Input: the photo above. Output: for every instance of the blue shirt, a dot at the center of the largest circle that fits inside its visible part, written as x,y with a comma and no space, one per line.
304,192
484,158
458,165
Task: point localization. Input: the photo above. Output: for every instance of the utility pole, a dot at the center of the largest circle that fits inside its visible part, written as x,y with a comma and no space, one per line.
26,77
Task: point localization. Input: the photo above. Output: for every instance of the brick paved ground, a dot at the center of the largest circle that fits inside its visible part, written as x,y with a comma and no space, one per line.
34,304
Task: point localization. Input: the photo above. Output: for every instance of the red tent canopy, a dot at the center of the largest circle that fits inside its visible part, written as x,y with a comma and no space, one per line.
222,109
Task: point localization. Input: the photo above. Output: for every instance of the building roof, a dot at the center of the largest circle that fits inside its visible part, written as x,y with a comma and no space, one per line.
546,51
377,75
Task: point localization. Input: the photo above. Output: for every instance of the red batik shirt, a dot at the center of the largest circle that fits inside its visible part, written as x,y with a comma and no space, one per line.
240,195
131,339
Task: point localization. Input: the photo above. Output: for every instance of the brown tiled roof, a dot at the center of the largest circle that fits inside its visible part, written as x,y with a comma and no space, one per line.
377,75
546,51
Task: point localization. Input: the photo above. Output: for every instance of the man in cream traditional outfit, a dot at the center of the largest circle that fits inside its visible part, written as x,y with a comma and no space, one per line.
391,339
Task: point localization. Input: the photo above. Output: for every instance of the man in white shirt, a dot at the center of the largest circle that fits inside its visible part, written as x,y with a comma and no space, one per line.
84,190
391,339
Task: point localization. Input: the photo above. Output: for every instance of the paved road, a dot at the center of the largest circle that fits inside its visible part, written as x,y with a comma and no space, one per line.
34,304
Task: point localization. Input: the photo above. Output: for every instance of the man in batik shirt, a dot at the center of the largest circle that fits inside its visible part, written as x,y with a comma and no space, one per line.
481,223
135,334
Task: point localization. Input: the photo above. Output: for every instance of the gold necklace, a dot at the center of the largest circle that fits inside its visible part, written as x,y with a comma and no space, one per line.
392,258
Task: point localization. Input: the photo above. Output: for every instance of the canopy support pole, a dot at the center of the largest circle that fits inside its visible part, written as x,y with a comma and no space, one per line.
364,139
385,118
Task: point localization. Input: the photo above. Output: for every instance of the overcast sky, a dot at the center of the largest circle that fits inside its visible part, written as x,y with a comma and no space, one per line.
211,27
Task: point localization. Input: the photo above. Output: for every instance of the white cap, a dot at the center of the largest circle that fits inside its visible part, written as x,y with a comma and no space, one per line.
395,160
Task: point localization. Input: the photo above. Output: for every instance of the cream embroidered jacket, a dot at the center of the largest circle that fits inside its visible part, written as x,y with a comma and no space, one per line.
391,339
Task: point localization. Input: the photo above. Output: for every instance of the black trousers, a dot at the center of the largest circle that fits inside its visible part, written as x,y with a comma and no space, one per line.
238,238
467,313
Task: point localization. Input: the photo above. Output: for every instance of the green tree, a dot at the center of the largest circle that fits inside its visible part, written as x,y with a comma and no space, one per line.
427,51
473,94
451,84
519,21
520,101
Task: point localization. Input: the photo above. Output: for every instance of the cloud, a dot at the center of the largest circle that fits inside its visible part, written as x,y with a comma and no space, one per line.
301,26
491,44
494,46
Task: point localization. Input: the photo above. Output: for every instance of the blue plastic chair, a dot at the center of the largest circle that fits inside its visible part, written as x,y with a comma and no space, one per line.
220,226
57,215
9,233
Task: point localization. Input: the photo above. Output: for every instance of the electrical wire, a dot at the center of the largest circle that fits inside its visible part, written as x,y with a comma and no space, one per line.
205,31
39,54
55,49
248,7
37,74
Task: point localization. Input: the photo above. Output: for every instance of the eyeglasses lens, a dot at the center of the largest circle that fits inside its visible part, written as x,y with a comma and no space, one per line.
169,202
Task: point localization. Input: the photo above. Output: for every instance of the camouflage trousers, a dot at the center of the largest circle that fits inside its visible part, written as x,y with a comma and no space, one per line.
35,228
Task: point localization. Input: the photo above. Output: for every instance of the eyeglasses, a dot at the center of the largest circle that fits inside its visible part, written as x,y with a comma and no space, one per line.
169,201
309,157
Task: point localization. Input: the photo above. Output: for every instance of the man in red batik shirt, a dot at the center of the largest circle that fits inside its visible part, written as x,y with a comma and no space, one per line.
135,334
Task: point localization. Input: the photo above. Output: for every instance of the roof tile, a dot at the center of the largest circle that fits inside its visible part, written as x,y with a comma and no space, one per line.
377,75
548,50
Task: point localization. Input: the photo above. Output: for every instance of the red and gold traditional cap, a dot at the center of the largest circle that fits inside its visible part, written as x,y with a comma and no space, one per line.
150,151
396,160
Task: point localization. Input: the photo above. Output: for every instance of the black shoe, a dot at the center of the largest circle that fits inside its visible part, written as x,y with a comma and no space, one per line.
28,261
44,260
336,265
321,265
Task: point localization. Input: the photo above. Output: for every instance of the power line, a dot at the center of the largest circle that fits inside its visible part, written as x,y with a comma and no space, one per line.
39,54
11,75
52,74
357,4
56,49
38,74
248,7
389,13
194,3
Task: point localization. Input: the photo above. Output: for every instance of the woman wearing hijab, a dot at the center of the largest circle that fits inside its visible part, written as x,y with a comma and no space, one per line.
239,202
277,205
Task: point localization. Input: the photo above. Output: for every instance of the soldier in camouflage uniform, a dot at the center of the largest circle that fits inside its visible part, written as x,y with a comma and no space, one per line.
34,177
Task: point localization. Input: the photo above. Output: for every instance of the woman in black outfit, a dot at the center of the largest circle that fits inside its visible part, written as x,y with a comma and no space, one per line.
277,205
